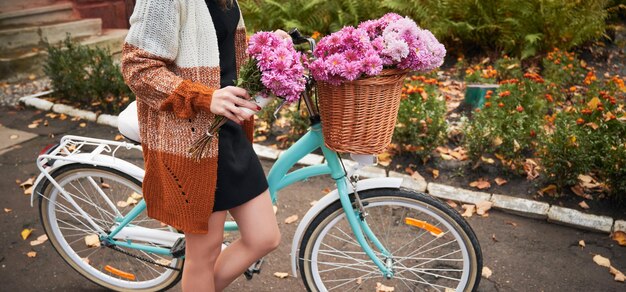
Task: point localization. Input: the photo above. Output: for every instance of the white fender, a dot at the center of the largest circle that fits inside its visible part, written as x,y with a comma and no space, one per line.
89,159
328,199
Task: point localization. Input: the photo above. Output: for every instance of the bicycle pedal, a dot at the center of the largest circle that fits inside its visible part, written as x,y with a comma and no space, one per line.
178,249
255,268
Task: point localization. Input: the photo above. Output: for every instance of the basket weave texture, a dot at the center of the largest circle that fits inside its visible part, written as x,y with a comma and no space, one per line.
360,116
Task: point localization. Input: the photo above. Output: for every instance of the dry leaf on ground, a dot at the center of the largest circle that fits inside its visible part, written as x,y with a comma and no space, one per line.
619,276
41,239
486,273
469,210
281,275
511,223
326,191
105,185
291,219
29,182
7,210
384,159
382,288
443,150
549,190
446,156
136,196
487,160
500,181
275,209
435,173
583,205
92,240
620,237
480,184
602,261
122,204
13,137
164,262
483,207
581,243
118,137
531,168
28,191
312,203
31,254
82,125
359,280
578,190
26,233
451,203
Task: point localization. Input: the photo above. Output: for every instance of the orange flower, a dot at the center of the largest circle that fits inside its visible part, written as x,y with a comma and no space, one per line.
488,104
519,108
501,105
549,97
572,89
505,93
316,35
489,92
477,110
580,121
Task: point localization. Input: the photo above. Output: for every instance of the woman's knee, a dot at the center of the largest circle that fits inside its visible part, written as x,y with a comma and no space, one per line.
264,242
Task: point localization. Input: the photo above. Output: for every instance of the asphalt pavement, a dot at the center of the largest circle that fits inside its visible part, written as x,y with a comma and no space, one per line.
523,254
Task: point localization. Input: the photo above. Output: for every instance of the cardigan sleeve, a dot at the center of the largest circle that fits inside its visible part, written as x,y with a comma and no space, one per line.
149,51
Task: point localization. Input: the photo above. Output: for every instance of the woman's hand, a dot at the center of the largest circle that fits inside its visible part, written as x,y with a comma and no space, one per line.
282,34
230,101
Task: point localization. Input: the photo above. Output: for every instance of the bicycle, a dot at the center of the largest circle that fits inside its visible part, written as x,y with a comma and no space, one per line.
364,232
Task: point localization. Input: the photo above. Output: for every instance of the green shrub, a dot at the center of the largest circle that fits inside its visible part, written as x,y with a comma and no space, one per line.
421,124
508,124
562,68
87,76
508,68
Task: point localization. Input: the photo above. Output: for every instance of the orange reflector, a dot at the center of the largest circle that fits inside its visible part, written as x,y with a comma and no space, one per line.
117,272
423,225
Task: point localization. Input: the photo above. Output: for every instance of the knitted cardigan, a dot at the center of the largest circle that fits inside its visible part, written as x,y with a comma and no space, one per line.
170,60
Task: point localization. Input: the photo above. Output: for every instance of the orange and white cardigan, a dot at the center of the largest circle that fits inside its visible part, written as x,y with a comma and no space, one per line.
171,62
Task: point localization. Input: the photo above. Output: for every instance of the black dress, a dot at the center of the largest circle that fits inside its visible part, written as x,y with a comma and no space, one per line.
240,176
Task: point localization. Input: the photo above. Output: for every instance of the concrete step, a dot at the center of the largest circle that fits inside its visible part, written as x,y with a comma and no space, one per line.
43,14
19,65
38,35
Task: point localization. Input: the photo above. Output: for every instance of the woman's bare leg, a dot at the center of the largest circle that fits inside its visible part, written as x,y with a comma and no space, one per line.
201,253
259,236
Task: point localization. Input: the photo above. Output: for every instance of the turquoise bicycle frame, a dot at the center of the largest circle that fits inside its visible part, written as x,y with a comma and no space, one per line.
279,178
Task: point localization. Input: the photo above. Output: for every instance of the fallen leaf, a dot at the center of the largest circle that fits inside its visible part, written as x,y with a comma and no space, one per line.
136,196
28,182
493,237
291,219
41,239
105,185
620,237
592,125
382,288
118,137
82,125
13,137
456,155
86,260
31,254
578,190
326,191
7,210
32,77
487,160
581,243
497,141
619,276
260,139
469,210
531,168
122,204
164,262
359,281
593,103
511,223
131,201
516,146
312,203
51,115
483,207
583,205
549,190
451,203
281,275
435,173
601,261
28,191
26,233
500,181
92,240
275,208
32,126
62,117
443,150
446,156
486,273
480,184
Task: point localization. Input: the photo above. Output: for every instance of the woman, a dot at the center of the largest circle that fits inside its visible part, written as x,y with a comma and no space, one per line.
180,58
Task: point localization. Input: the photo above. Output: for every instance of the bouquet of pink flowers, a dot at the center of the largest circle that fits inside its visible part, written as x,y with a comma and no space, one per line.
275,68
391,41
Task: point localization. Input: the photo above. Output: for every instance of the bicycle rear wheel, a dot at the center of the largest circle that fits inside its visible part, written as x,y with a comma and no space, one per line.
67,229
442,254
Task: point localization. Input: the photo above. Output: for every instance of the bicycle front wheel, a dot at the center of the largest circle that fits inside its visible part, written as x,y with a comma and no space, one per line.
102,194
432,246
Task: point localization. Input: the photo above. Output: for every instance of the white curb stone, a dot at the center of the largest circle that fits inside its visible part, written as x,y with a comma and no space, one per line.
579,219
71,111
620,225
108,120
311,159
371,172
409,182
457,194
519,206
266,152
38,103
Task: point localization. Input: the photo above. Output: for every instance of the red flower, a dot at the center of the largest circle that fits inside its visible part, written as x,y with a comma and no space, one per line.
580,121
500,105
532,133
520,108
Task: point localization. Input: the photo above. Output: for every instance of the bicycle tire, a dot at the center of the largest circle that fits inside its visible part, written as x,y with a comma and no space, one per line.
320,233
69,177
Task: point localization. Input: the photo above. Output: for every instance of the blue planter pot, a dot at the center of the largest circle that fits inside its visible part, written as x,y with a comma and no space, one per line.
475,94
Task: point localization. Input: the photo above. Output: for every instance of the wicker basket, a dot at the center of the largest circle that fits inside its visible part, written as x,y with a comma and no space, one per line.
359,116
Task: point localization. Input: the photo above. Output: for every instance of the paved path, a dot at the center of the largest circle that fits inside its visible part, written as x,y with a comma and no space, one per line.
524,254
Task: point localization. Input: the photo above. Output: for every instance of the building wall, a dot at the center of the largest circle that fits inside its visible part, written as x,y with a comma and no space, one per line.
114,13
